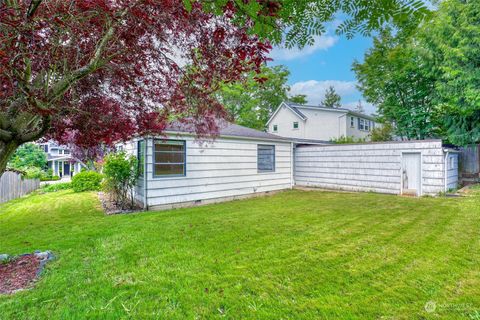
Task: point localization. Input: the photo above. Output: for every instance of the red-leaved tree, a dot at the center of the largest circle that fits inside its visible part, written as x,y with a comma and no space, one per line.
92,72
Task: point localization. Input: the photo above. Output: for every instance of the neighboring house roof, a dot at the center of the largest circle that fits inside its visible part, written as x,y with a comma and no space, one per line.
296,108
310,141
227,129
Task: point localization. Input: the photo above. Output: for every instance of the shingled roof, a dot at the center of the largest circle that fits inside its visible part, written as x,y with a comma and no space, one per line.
227,129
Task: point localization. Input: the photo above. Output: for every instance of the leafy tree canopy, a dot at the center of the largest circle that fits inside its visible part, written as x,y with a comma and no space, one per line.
96,71
251,102
427,83
27,156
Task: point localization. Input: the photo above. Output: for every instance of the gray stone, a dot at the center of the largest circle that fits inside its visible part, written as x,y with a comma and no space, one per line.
42,255
4,257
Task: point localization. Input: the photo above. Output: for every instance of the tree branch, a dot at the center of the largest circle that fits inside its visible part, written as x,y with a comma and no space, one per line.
33,8
63,85
5,135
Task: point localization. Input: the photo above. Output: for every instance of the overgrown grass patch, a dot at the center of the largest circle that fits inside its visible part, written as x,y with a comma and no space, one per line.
295,255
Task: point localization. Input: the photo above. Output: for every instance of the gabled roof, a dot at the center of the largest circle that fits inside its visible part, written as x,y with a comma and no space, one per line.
296,108
227,129
291,107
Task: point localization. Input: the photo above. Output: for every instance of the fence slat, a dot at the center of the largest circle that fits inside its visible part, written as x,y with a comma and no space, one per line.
12,186
470,159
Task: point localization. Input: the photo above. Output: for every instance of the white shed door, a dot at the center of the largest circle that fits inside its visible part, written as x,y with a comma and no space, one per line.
411,173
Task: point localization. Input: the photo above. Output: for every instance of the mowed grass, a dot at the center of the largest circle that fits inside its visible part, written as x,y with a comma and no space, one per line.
294,255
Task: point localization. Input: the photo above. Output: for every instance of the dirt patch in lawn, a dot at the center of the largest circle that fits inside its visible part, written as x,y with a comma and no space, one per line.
110,207
20,272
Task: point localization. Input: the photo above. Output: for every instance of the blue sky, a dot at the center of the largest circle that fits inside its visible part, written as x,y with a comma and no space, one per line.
326,63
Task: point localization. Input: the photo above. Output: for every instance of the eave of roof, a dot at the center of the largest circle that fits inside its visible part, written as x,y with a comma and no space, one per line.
227,130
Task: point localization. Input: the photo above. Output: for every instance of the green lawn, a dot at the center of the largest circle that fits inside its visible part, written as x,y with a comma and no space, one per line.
294,255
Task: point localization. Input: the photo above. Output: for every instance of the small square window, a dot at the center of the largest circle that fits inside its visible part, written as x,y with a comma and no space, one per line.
275,128
295,125
169,158
265,158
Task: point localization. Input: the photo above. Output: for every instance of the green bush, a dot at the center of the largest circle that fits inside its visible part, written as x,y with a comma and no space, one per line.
347,140
121,173
56,187
50,178
86,181
33,173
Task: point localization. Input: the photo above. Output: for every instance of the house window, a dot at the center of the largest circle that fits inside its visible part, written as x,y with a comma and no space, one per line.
451,163
141,157
361,124
367,125
352,122
295,125
66,151
169,158
45,147
265,158
275,128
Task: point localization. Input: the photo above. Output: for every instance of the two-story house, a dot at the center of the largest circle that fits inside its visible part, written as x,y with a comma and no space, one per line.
319,123
60,159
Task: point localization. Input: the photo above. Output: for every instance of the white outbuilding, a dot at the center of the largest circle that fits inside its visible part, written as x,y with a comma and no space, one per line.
177,170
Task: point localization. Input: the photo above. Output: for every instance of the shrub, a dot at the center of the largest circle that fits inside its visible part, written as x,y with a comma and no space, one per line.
86,181
50,178
121,173
345,140
56,187
33,173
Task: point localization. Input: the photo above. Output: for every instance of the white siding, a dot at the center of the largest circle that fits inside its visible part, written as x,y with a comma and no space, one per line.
355,130
284,120
368,167
452,171
131,148
321,124
223,169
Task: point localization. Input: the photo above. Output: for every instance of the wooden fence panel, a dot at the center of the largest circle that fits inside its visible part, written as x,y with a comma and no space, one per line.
12,186
470,159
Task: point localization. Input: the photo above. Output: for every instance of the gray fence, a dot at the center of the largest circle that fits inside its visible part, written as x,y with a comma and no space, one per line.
470,159
12,186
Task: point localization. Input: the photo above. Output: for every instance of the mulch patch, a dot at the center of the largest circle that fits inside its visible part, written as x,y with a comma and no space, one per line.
18,273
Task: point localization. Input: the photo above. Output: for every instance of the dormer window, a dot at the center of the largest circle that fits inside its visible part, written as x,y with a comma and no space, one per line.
295,125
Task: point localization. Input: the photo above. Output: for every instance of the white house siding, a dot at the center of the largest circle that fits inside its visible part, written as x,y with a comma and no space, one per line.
131,148
284,120
452,171
355,130
368,167
220,170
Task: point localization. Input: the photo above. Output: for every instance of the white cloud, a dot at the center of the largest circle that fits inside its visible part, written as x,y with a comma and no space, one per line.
315,92
321,43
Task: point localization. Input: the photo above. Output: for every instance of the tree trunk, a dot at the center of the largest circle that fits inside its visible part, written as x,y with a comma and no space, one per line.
7,149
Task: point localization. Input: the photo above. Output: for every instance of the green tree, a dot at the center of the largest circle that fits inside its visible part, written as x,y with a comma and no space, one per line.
395,76
359,107
28,156
382,133
427,83
332,99
452,42
251,102
299,98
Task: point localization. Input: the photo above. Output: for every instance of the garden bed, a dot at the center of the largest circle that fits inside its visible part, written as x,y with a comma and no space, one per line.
21,272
